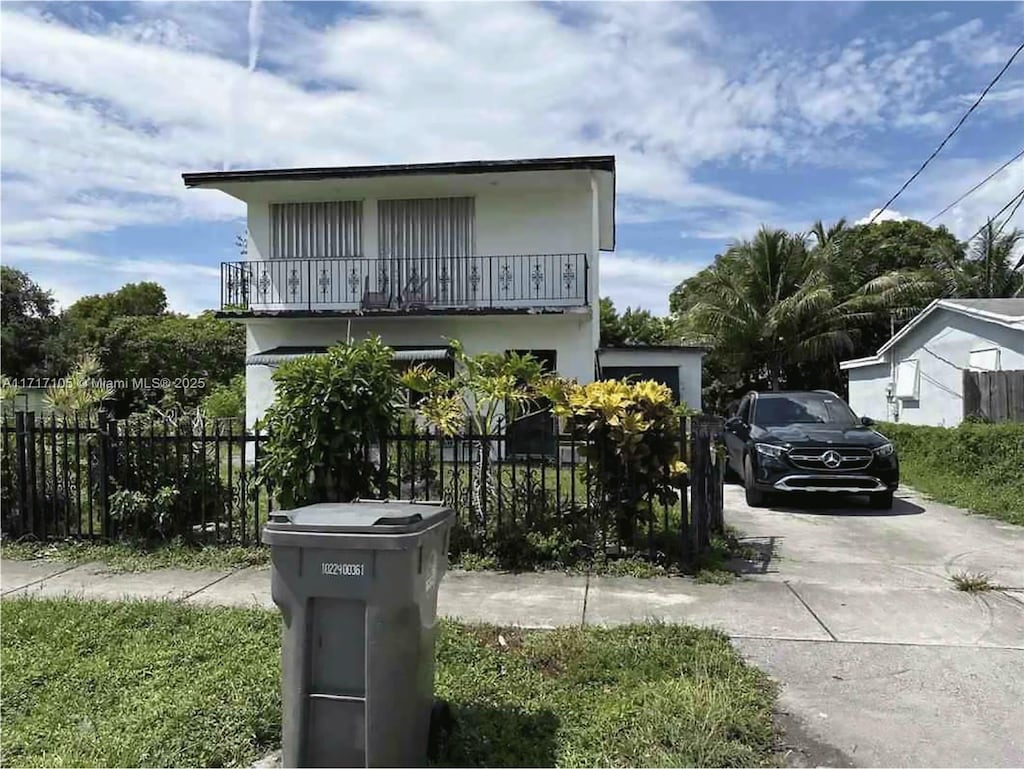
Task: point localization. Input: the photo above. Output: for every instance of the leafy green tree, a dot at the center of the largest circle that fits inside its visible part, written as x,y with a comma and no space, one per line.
226,401
990,268
860,281
633,327
86,324
28,323
875,249
191,355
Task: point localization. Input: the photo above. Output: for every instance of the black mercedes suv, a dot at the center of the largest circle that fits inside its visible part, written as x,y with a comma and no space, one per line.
808,441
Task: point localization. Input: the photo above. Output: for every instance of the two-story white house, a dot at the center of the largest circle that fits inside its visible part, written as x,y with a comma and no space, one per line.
501,255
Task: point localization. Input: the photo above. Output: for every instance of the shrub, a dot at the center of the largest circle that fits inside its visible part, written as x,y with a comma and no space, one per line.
226,401
157,453
975,465
633,451
329,416
486,392
144,514
535,529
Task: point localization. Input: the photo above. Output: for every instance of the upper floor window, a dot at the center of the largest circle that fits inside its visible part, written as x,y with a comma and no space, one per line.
316,230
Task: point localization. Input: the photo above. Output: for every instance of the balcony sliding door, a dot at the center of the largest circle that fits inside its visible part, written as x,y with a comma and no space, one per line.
320,248
426,243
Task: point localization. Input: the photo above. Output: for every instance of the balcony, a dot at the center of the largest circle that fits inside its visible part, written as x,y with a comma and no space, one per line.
418,285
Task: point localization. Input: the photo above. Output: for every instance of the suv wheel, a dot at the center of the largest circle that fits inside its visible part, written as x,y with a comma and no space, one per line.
882,500
755,497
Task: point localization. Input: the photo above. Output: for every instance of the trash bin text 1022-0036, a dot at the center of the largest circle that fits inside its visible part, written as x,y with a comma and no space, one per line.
357,587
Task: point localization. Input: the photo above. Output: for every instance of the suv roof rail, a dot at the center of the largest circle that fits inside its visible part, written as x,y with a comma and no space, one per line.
827,392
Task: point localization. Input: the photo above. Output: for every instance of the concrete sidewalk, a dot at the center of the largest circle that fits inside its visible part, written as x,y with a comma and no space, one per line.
749,609
926,612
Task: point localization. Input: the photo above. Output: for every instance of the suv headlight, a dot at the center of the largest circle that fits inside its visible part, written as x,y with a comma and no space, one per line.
769,450
885,450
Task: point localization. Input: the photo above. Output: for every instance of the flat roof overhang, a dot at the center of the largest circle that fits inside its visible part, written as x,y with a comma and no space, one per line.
262,184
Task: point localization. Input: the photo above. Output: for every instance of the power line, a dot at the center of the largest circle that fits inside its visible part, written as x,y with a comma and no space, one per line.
1014,199
949,135
1009,216
977,186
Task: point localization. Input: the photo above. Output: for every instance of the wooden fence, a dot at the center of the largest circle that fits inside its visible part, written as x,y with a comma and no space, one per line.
994,396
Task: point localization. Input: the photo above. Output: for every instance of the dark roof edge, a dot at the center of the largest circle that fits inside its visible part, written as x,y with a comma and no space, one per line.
585,162
654,348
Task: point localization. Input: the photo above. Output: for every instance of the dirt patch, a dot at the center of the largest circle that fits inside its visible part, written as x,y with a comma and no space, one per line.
507,638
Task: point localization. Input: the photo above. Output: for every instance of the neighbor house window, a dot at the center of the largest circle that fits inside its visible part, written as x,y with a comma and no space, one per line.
907,380
316,230
986,359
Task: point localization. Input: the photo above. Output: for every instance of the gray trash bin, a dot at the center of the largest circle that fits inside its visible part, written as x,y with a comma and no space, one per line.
357,586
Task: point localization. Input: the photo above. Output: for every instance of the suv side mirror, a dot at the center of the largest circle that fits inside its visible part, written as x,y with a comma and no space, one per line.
867,421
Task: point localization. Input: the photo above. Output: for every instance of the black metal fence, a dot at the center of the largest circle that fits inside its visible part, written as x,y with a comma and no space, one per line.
369,284
101,478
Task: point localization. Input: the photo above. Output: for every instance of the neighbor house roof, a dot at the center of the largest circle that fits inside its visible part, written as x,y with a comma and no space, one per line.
1007,309
655,348
1002,312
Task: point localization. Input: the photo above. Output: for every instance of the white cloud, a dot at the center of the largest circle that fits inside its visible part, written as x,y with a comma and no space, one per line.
101,116
634,279
880,215
190,288
945,180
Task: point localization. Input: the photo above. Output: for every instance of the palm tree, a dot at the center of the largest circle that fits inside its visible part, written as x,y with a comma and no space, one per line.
769,303
988,269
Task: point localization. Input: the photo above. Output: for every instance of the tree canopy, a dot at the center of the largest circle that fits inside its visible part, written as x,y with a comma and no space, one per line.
633,327
28,323
132,335
782,309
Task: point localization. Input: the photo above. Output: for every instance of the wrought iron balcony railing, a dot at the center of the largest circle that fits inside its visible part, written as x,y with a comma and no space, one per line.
394,284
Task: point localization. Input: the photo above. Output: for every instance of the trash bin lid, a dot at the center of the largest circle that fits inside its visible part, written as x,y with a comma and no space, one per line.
362,517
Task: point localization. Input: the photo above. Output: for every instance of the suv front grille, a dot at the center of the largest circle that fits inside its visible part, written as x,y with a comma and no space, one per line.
850,458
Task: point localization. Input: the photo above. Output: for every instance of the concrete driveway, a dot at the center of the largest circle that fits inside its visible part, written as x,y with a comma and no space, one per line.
914,672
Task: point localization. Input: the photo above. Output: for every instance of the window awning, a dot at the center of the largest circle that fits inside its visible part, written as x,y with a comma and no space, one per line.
278,355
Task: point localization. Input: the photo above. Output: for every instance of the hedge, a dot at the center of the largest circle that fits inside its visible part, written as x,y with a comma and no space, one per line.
977,466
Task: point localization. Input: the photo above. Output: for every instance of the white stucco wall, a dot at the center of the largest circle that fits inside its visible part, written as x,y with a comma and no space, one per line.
868,392
689,363
942,345
568,335
553,218
522,213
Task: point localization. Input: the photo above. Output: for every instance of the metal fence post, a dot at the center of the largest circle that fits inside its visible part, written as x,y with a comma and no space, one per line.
21,463
106,434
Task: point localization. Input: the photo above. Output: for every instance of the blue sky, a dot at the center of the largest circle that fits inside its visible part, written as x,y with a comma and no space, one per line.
722,117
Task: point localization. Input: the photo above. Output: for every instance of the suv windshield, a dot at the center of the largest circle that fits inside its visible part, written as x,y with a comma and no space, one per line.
802,408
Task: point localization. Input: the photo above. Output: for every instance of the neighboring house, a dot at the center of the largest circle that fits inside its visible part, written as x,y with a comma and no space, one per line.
501,255
917,377
678,367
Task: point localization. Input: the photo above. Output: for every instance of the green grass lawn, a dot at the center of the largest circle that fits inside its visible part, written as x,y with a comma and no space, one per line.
126,684
975,466
129,556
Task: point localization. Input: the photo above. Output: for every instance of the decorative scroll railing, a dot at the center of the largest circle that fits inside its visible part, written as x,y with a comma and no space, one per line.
380,283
